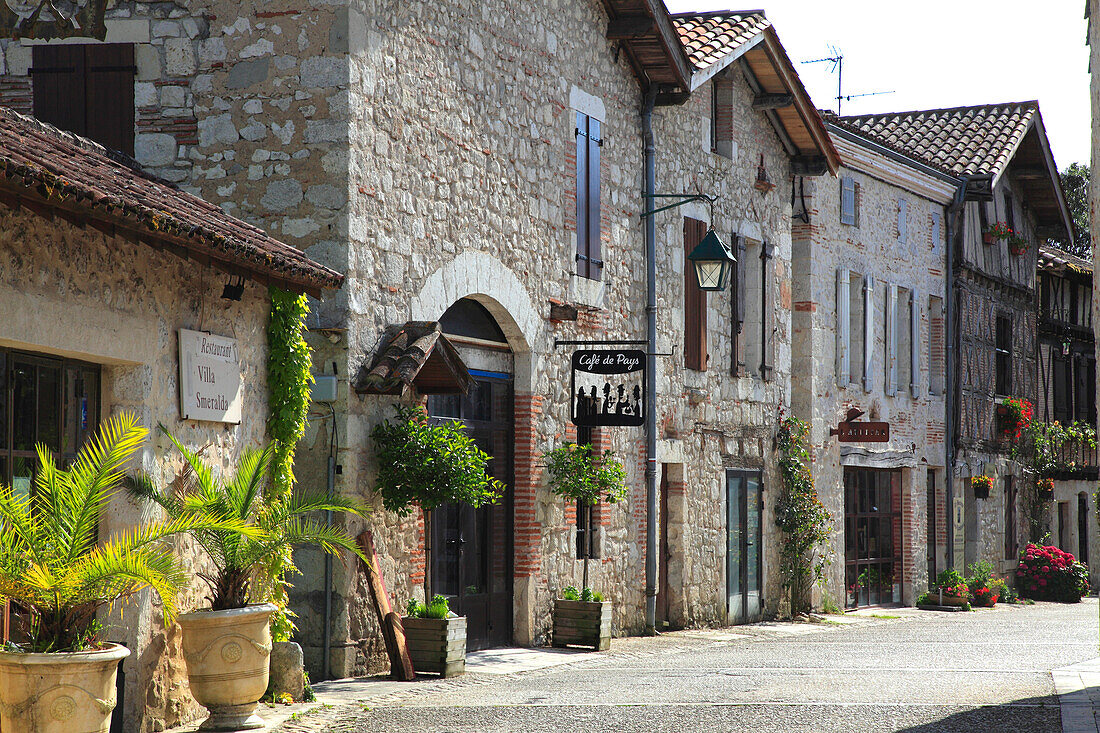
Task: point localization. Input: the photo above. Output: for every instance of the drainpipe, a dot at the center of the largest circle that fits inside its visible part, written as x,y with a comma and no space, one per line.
651,363
953,211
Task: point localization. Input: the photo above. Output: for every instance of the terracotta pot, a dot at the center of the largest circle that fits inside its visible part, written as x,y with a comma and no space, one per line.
987,238
59,693
227,655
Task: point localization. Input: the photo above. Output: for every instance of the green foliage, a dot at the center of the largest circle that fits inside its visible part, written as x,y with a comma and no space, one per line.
949,578
247,562
50,561
436,608
577,473
570,593
978,575
289,376
1042,448
1002,590
925,599
800,516
1075,185
430,464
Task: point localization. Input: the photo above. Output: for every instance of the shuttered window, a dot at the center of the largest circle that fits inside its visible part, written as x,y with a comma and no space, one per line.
903,221
849,201
695,301
868,332
589,141
767,306
737,358
914,340
843,334
1003,350
1010,214
937,234
891,317
87,89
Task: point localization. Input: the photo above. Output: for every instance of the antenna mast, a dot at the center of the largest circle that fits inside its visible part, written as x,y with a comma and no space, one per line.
836,58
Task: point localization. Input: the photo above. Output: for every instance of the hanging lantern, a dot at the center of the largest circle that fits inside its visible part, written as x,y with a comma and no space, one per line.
713,261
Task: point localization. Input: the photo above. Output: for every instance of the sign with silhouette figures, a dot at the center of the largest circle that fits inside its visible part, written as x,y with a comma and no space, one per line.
608,387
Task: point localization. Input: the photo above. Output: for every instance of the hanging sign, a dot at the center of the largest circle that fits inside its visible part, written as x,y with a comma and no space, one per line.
608,387
210,377
862,432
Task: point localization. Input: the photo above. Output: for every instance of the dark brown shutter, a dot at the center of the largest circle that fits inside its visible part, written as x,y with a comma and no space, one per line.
595,259
695,302
109,74
737,336
87,89
767,311
58,85
581,134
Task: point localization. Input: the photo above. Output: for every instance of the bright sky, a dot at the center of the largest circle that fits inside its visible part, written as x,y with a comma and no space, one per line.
942,53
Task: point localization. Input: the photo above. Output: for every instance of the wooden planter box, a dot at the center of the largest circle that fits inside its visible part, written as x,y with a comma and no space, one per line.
947,600
437,644
582,623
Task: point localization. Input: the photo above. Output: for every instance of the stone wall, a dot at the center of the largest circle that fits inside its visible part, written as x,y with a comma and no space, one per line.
76,293
912,260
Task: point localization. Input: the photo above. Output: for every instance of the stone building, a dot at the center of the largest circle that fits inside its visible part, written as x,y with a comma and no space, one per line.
869,288
1067,394
990,305
106,276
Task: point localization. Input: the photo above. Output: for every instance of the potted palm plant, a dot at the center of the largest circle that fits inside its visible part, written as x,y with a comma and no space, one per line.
56,570
579,474
227,646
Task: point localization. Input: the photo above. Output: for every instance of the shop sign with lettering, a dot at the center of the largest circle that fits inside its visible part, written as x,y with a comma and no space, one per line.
210,377
608,387
862,432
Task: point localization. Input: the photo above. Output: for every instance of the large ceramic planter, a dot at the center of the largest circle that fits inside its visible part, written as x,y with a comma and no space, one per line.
227,663
436,644
582,623
59,693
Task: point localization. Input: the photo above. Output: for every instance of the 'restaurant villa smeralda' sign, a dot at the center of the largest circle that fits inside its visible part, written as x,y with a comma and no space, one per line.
210,377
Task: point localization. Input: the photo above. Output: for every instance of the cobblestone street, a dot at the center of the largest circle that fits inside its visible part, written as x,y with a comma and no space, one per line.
918,671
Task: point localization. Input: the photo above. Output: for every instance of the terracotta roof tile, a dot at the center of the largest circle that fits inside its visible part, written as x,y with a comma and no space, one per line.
710,37
1058,260
414,354
960,140
78,174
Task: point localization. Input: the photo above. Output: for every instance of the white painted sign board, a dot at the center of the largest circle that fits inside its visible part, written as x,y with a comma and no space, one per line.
210,377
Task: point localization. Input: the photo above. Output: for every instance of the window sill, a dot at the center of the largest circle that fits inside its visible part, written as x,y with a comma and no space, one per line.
584,291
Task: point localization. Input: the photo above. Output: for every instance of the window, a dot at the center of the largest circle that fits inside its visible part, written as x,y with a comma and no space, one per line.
857,321
1084,390
87,89
903,334
868,341
767,312
1003,350
843,327
983,217
849,201
1011,548
589,142
695,301
890,312
903,221
714,116
759,308
737,304
1083,527
1062,385
935,345
937,230
1010,214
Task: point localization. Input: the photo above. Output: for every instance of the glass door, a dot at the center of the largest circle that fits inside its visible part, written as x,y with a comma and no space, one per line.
744,543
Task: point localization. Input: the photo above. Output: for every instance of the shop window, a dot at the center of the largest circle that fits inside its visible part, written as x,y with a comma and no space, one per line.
87,89
589,142
1003,349
695,301
872,536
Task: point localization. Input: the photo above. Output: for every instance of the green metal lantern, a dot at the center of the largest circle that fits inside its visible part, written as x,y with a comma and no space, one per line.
713,261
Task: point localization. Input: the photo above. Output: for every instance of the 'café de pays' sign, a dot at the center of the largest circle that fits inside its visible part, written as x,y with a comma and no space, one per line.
608,387
210,377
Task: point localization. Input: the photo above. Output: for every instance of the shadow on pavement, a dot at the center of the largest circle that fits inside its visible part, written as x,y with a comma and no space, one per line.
1027,715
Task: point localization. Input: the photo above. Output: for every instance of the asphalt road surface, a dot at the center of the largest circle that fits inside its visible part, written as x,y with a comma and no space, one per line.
988,670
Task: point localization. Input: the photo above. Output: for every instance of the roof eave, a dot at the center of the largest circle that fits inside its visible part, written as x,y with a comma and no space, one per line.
702,76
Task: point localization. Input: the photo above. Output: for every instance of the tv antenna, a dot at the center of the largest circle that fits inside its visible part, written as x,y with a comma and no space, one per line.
836,58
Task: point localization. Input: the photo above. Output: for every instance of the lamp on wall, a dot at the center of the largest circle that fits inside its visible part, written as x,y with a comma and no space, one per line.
233,290
713,261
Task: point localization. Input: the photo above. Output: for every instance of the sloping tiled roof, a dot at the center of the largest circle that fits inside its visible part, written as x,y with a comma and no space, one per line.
1058,260
960,140
414,354
710,37
47,169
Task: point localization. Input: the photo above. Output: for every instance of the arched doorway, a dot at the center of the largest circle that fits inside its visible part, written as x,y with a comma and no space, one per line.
471,549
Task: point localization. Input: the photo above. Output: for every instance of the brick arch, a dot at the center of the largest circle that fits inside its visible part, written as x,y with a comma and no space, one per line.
484,278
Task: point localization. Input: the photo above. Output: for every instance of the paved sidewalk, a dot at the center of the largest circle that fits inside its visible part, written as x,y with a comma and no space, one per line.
1078,688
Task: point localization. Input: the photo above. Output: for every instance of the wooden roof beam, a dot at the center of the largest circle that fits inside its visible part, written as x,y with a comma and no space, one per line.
772,101
629,26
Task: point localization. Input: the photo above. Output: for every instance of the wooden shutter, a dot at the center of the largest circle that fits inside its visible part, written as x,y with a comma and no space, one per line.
767,312
868,331
847,201
936,234
914,339
695,302
891,339
843,332
581,134
855,195
87,89
58,84
903,221
109,79
595,257
740,285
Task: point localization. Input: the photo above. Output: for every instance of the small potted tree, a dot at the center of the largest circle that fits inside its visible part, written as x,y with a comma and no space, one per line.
227,646
62,678
426,465
578,474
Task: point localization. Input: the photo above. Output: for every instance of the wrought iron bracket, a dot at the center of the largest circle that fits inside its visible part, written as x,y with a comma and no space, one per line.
685,198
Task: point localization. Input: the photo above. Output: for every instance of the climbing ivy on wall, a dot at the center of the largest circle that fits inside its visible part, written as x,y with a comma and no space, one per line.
800,515
289,376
